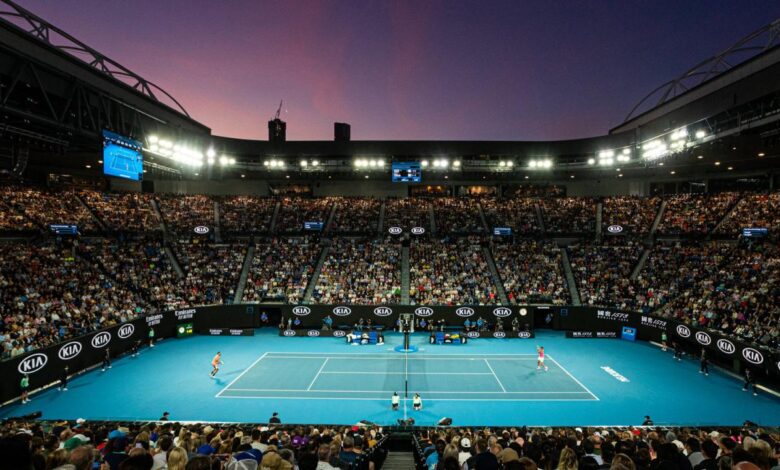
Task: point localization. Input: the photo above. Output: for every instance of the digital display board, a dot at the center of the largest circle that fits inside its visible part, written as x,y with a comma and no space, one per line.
64,229
122,156
502,231
755,232
314,226
407,172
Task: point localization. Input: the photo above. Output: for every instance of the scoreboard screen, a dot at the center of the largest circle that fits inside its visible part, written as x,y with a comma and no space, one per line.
407,172
313,226
502,231
755,232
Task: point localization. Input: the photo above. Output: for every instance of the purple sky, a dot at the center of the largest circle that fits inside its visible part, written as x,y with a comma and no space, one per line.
398,70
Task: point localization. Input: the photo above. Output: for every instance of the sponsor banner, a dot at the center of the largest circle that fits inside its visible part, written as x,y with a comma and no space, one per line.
229,332
749,355
312,333
592,334
345,316
45,365
499,334
201,230
610,315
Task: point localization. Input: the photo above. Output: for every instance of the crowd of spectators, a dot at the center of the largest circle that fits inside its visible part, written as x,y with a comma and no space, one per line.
635,214
86,445
12,220
50,292
356,215
293,212
246,214
695,214
362,272
670,269
183,213
123,212
457,215
211,271
450,272
280,270
569,215
753,211
531,272
603,273
517,213
408,213
738,295
143,267
635,448
46,207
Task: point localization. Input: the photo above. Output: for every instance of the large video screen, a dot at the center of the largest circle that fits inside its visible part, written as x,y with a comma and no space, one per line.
407,172
122,157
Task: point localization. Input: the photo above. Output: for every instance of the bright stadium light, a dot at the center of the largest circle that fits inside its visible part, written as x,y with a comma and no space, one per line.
700,134
510,163
424,163
211,153
456,163
591,161
315,163
532,164
266,163
153,139
223,160
304,163
502,163
626,151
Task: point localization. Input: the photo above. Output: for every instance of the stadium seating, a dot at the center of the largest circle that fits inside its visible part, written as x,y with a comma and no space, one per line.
726,285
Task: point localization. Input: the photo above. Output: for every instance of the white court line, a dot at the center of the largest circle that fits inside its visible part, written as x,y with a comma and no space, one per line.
395,358
404,373
318,373
385,399
239,375
321,354
494,375
572,377
429,392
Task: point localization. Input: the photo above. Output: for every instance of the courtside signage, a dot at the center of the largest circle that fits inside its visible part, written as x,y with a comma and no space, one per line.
101,339
69,351
33,363
302,311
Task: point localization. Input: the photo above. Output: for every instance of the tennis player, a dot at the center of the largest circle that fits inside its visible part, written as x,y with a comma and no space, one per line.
540,359
215,363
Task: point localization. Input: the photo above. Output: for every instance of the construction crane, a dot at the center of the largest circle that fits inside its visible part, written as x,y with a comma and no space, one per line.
278,111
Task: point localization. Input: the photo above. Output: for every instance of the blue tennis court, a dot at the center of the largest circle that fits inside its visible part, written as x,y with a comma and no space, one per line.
511,377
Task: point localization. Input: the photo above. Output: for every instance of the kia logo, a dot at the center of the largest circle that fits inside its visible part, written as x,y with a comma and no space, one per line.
395,230
499,334
524,334
423,311
201,230
502,312
288,333
753,356
383,311
614,229
342,311
33,363
683,331
726,346
126,331
472,334
339,334
301,311
69,351
464,312
313,333
418,231
523,312
101,339
703,338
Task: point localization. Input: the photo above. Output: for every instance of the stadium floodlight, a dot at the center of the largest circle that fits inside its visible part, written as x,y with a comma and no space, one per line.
211,153
210,160
532,164
680,133
456,163
626,151
510,163
304,163
380,163
315,163
623,158
606,161
424,163
700,134
266,163
591,161
223,160
165,143
154,148
606,154
502,163
153,139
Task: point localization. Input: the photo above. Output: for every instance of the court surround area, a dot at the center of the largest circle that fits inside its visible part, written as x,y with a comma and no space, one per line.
485,382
